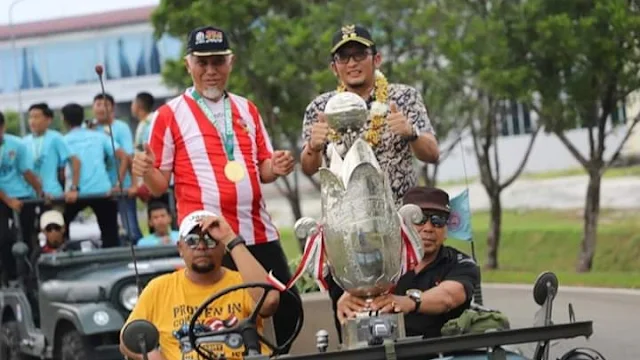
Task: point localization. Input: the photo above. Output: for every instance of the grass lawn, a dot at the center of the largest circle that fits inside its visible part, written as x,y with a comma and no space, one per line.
536,241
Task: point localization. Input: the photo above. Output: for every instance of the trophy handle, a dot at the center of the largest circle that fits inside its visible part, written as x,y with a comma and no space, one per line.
411,214
305,227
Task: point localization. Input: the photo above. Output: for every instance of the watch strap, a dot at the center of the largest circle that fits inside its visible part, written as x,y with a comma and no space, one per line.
235,242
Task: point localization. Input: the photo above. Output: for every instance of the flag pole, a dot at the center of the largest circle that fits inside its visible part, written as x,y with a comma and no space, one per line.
477,291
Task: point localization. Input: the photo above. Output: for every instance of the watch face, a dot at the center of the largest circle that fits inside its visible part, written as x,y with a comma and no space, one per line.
414,293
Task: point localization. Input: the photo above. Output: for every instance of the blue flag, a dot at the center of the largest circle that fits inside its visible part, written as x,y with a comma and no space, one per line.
459,225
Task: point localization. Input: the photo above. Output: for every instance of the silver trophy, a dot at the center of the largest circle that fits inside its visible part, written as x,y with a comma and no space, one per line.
346,114
363,240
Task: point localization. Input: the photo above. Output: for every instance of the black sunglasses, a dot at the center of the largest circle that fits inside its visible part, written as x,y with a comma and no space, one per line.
52,227
437,220
343,58
193,240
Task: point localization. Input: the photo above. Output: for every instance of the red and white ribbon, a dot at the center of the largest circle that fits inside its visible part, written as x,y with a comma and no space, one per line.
410,251
313,262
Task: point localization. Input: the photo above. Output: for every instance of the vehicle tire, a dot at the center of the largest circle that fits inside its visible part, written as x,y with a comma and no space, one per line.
10,342
73,346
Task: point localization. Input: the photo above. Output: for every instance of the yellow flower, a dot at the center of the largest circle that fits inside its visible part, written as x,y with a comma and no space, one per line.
381,92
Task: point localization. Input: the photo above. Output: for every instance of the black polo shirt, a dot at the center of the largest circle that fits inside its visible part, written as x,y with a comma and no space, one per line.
449,265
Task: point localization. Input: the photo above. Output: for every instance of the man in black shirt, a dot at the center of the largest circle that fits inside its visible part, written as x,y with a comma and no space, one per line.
439,289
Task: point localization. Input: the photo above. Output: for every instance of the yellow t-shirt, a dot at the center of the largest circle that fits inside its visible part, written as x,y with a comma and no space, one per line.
170,300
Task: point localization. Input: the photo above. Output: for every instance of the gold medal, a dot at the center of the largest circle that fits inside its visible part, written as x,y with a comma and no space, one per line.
234,171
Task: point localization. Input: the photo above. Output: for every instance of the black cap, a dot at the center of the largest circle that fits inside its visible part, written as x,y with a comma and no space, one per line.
351,33
207,41
427,198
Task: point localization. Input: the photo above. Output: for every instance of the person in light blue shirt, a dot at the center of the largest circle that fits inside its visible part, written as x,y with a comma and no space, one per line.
160,222
17,183
50,153
103,109
93,149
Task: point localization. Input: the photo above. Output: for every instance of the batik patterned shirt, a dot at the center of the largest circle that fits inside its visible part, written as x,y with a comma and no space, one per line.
392,151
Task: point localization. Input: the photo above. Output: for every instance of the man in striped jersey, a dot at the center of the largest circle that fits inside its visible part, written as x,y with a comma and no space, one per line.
217,148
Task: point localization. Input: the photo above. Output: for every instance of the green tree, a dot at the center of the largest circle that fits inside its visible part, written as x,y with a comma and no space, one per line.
12,123
580,60
473,48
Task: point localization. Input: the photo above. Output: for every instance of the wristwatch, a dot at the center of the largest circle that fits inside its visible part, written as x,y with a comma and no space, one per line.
235,242
73,188
414,135
416,296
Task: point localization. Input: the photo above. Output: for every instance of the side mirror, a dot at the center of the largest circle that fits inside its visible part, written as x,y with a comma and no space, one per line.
140,337
545,288
20,250
544,292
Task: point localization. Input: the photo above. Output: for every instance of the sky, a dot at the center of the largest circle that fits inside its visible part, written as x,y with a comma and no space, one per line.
35,10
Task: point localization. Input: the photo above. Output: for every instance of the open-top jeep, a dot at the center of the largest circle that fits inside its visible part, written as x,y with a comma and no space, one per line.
72,305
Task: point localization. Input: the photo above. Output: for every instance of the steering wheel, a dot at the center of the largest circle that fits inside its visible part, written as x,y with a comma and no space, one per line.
246,330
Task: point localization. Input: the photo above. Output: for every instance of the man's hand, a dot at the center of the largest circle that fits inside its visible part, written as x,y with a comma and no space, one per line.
71,196
132,191
319,133
14,204
282,162
218,228
143,162
397,122
348,305
393,303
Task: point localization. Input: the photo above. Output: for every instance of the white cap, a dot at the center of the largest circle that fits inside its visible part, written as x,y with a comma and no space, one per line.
192,220
51,217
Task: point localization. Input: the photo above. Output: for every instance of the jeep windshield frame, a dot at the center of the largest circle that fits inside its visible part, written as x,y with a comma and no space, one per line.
418,348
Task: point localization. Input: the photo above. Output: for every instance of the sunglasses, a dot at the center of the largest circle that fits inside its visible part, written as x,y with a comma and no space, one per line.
437,220
52,227
193,240
343,58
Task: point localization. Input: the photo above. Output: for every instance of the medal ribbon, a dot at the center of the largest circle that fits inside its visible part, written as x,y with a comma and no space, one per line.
228,121
37,148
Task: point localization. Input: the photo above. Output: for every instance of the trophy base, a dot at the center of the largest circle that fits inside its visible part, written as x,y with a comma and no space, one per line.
368,329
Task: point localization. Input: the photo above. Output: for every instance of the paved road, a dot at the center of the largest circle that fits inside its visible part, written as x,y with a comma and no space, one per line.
616,316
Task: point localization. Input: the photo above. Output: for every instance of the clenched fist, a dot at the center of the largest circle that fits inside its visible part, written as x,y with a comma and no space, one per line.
143,162
319,133
282,162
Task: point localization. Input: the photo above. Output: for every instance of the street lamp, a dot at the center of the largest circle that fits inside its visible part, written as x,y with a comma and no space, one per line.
23,130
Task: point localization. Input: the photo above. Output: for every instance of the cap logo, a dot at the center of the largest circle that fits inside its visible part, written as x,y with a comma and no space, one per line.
199,38
213,36
348,31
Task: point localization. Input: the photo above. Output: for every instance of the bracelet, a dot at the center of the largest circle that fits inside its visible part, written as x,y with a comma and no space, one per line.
235,242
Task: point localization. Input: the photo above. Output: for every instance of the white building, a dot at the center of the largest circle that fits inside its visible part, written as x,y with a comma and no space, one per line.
549,153
54,61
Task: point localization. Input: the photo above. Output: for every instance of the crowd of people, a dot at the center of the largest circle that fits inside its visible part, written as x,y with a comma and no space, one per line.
213,146
86,166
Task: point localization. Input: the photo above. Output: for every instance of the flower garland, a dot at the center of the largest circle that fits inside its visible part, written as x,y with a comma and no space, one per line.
378,110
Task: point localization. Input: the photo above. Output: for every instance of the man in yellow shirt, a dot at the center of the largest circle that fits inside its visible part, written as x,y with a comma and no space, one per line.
170,300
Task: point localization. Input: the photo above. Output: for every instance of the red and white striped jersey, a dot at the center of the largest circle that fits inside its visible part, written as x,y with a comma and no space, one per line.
186,142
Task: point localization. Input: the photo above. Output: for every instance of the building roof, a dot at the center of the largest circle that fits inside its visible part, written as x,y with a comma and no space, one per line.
78,23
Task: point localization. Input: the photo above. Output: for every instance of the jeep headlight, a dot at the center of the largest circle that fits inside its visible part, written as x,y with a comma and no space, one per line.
129,296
